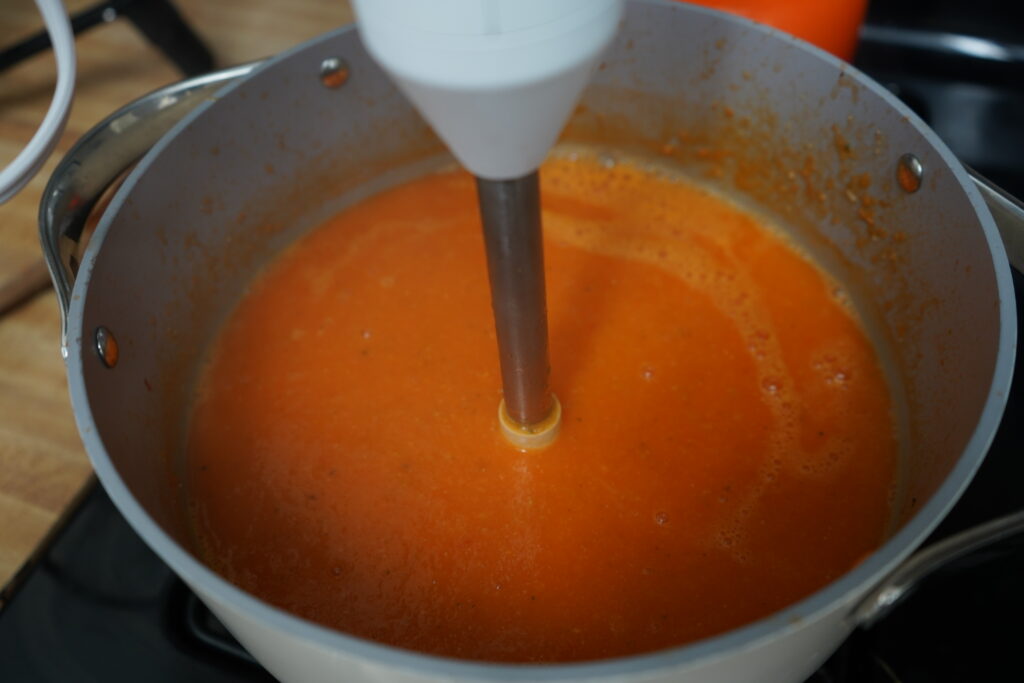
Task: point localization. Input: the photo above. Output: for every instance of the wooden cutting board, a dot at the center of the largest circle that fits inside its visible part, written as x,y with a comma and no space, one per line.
42,463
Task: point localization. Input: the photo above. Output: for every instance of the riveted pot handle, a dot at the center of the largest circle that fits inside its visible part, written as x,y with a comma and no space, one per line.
98,159
905,578
1008,213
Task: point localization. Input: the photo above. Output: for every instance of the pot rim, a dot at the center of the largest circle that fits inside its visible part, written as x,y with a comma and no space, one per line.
842,593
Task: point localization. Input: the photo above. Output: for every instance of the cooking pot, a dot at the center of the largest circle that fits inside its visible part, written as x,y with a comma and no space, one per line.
257,155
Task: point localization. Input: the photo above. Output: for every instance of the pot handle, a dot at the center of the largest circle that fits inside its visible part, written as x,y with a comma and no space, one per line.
906,577
98,159
1008,213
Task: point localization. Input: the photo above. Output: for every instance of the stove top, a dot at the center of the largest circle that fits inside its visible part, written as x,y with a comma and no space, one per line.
97,605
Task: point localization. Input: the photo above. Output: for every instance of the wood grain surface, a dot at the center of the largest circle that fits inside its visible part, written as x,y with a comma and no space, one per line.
42,463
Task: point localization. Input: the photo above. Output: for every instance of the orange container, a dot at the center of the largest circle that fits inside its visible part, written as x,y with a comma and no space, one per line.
830,24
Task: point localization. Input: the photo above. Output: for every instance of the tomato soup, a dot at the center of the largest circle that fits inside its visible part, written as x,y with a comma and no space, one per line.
727,444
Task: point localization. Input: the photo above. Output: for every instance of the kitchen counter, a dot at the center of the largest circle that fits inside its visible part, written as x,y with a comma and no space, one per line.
42,463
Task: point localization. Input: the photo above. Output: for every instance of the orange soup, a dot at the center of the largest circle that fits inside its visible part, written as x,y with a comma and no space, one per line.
727,444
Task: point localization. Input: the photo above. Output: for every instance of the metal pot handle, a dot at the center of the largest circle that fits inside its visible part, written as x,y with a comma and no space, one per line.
98,159
1008,213
906,577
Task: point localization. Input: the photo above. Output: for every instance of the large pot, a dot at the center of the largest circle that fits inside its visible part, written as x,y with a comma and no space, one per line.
859,179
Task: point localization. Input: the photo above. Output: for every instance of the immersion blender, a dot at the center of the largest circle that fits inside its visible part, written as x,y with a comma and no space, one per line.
497,80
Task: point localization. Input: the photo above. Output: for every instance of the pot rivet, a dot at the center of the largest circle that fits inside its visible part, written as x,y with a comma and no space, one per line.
334,72
908,173
106,346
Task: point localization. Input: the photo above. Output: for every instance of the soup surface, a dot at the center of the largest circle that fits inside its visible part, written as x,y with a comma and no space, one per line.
727,444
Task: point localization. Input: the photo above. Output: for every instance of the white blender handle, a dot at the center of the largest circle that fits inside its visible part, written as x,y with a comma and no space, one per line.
496,79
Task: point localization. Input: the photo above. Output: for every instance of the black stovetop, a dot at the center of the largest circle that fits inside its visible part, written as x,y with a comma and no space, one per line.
97,605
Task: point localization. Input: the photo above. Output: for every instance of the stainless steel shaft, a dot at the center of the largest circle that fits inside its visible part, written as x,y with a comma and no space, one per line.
510,211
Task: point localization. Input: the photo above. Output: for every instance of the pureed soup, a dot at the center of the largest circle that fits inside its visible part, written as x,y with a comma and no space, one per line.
727,444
